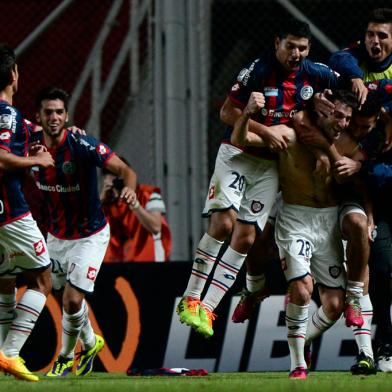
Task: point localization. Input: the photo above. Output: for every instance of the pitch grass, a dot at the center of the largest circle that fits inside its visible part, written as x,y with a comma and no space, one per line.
238,382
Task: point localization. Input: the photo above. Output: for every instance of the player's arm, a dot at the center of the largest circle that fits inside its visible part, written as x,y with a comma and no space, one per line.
10,161
346,63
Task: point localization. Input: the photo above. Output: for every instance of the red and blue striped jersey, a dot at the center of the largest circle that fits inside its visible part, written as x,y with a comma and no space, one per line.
14,136
70,188
285,93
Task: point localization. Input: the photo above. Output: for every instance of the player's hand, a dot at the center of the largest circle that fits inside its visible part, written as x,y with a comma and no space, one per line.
129,196
322,105
346,167
323,167
75,129
35,148
360,90
44,159
312,136
277,137
255,103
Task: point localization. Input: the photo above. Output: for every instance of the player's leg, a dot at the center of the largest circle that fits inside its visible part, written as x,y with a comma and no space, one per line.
354,228
27,250
7,306
381,293
222,203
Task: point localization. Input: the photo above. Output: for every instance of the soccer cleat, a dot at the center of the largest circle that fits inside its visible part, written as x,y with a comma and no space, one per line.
308,355
85,364
364,365
188,310
16,367
248,303
353,312
206,319
299,373
61,367
384,358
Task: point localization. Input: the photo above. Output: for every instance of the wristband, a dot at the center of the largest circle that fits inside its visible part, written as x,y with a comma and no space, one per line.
136,206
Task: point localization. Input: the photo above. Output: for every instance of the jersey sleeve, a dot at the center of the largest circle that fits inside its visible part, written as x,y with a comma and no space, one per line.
93,150
155,203
245,84
6,126
326,77
383,89
346,63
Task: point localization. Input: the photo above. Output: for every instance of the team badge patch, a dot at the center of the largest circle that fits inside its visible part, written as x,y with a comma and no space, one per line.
256,206
271,91
335,271
68,167
5,135
6,121
306,92
92,273
39,247
101,149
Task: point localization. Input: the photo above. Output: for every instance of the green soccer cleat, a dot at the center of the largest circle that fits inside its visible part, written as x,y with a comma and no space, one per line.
206,319
61,367
188,310
364,365
85,364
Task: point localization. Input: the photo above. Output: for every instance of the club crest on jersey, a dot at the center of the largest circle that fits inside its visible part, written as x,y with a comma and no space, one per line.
5,135
92,273
39,247
101,149
68,167
256,206
335,271
306,92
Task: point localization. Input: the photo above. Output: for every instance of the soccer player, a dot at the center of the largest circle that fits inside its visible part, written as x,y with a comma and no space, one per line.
23,246
78,233
307,231
370,60
244,184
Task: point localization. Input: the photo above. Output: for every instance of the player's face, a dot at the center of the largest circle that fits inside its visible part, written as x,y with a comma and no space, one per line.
290,51
378,41
52,117
360,126
336,122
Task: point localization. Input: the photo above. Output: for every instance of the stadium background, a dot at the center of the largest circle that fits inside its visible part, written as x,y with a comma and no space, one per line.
148,77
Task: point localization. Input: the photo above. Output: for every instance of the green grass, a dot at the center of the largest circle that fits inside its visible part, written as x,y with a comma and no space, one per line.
239,382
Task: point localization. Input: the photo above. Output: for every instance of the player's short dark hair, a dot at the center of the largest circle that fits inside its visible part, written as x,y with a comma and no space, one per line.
345,96
371,107
380,15
7,65
294,27
52,92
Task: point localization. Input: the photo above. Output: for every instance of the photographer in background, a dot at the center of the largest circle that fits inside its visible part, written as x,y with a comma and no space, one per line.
139,232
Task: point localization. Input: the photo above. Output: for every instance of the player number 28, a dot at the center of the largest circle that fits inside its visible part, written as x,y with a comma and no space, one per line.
305,248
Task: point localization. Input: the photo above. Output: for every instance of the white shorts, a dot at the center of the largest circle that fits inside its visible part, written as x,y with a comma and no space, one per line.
24,247
78,261
309,242
245,183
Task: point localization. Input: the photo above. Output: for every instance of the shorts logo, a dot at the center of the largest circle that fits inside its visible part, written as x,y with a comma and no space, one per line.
306,92
256,206
335,271
92,273
39,248
211,193
68,167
